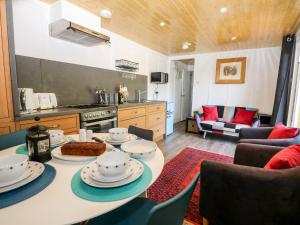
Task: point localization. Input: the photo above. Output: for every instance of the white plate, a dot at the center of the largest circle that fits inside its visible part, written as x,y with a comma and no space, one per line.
139,148
97,176
56,153
36,169
137,172
26,174
66,140
131,137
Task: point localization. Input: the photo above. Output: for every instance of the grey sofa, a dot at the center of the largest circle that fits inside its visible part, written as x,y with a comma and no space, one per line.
260,135
244,193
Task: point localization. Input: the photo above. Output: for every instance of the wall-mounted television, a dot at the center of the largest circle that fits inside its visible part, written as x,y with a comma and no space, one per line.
159,78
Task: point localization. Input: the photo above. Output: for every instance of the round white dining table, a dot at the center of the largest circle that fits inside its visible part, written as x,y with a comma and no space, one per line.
57,205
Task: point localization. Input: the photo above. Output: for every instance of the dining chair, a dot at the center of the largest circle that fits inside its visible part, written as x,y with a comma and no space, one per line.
144,211
12,139
141,133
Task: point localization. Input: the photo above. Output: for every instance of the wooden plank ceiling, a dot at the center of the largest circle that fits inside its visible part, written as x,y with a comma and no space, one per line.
254,23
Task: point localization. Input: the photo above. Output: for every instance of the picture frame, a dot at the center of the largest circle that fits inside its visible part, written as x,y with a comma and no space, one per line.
231,70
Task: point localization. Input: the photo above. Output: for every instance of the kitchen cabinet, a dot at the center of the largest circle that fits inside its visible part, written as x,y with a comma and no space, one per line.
151,117
6,128
6,103
68,123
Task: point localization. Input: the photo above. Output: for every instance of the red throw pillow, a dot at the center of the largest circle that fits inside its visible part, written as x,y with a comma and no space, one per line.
244,116
287,158
210,113
280,131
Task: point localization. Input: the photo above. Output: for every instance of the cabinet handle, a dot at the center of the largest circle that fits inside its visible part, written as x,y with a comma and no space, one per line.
54,126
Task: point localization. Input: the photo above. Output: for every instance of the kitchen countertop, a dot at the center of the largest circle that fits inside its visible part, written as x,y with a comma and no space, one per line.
136,104
61,111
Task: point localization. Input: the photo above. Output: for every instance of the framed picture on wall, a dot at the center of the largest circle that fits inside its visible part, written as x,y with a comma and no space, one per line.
231,71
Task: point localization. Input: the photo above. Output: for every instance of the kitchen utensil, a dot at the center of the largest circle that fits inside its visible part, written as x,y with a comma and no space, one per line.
118,134
28,103
82,135
38,143
138,169
12,167
113,163
36,169
139,148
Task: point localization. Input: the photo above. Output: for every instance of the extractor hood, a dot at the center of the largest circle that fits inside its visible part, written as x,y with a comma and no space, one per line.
69,31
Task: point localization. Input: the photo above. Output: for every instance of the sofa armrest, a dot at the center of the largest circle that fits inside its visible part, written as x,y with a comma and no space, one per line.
198,120
255,133
254,155
234,194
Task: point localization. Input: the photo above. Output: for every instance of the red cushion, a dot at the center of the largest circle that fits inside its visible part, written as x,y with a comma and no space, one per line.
280,131
210,113
287,158
244,116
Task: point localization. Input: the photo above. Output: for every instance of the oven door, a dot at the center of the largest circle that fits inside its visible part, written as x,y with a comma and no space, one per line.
100,126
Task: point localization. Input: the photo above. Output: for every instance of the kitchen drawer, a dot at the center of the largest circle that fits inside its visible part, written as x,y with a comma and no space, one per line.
156,119
137,122
131,113
69,123
6,128
156,108
158,131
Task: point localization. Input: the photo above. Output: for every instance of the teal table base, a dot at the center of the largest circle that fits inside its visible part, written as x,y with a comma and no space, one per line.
90,193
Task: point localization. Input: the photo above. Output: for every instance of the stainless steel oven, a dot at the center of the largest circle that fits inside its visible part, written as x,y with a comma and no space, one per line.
99,119
100,126
96,117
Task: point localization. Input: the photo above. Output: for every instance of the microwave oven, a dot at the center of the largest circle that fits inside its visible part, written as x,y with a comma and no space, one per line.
159,78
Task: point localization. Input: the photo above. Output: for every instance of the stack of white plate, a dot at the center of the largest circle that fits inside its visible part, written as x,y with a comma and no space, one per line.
139,148
112,169
57,138
118,136
16,171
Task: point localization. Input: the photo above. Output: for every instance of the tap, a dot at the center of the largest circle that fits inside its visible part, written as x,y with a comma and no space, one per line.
138,94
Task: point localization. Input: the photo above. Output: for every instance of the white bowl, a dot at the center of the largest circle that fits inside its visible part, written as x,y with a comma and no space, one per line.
139,149
118,134
12,166
56,136
113,163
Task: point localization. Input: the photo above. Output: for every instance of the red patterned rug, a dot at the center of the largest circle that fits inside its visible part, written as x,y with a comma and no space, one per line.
178,173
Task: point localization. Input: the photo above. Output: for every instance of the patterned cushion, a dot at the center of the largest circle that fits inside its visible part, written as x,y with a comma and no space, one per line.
222,126
228,114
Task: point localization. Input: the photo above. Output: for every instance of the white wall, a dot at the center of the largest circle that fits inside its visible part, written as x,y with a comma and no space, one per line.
31,21
258,89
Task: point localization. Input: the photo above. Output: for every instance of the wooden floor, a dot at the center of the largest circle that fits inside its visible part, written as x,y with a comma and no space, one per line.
176,142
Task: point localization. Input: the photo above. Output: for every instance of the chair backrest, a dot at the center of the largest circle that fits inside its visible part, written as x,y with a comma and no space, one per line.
140,132
12,139
173,210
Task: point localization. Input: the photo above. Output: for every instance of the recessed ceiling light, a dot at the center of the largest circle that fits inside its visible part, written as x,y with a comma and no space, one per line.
105,13
223,10
162,24
233,38
186,45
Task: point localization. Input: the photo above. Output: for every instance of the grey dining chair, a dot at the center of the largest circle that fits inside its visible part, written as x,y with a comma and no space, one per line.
141,133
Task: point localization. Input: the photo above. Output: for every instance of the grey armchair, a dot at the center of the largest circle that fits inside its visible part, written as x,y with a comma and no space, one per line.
244,193
260,135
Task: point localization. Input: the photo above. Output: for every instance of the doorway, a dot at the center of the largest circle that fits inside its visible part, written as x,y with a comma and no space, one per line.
184,76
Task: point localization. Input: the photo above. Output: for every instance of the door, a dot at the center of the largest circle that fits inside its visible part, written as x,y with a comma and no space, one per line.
183,84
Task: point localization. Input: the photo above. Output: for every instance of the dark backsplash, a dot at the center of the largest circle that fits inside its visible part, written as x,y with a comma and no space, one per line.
72,83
